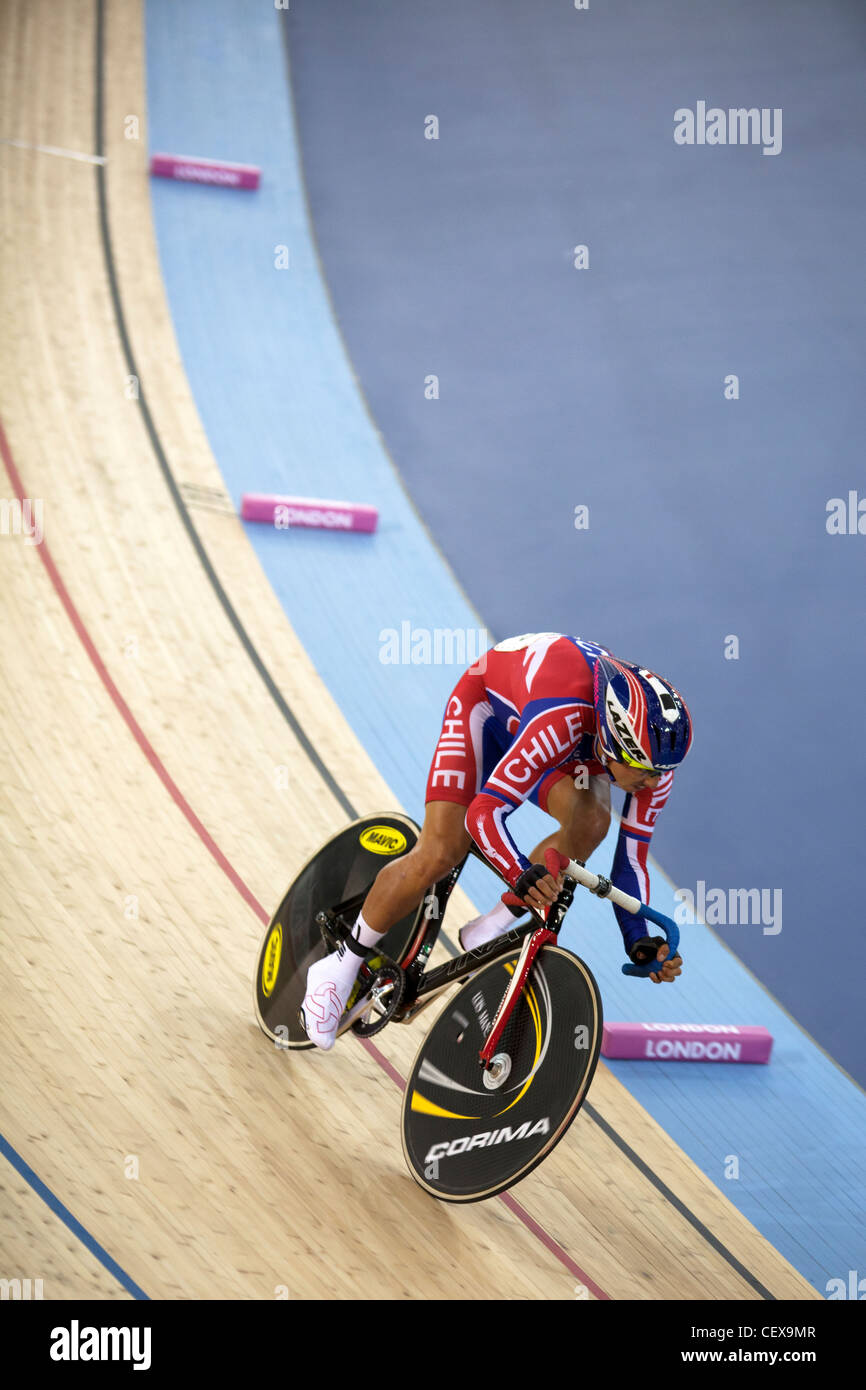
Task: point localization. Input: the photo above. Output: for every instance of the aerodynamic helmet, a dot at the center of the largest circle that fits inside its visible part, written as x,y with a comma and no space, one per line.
642,719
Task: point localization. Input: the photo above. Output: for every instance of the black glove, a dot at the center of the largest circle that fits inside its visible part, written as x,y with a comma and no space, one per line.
645,950
513,899
528,879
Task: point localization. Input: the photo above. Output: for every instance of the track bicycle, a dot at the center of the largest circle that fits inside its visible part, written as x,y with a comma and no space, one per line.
507,1064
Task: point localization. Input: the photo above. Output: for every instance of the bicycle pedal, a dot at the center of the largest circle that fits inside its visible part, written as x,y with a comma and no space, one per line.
386,992
327,928
355,1011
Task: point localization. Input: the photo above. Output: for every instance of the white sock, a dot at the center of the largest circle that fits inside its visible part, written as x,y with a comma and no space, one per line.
364,933
343,964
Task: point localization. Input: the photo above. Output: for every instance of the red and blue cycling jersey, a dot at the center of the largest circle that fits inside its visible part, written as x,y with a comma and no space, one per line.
518,720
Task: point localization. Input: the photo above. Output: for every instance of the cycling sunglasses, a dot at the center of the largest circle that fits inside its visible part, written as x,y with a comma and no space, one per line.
641,767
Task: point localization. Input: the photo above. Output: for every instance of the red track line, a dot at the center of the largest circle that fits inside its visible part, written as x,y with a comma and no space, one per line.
539,1232
511,1202
128,717
213,848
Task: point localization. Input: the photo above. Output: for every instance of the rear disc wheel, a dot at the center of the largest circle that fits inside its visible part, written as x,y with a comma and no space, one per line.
342,869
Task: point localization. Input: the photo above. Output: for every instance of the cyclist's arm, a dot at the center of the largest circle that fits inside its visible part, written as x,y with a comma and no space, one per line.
542,742
630,872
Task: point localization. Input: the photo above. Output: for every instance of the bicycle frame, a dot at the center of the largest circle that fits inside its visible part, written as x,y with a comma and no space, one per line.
421,986
534,935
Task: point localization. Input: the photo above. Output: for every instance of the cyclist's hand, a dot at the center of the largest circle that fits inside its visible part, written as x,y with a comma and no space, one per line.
535,887
643,951
671,968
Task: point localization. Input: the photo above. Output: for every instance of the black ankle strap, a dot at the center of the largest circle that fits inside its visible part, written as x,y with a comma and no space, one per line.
355,946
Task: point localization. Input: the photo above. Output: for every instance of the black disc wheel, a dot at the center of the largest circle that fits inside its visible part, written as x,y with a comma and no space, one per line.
470,1133
342,870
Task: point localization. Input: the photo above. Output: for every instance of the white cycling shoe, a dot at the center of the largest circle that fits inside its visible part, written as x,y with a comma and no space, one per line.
481,930
329,984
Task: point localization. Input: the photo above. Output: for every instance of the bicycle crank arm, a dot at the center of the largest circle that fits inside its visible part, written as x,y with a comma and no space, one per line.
383,997
357,1011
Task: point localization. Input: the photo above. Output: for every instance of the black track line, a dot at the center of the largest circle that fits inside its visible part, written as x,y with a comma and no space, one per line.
675,1202
242,634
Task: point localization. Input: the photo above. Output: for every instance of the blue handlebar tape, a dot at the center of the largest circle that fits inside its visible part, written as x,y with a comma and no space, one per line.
672,936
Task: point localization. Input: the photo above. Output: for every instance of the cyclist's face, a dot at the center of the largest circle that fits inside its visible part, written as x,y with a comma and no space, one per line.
633,779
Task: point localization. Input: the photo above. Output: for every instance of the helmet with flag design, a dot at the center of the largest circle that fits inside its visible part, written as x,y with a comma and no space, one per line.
642,720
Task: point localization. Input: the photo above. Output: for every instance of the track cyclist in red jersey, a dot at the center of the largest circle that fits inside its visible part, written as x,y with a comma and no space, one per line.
545,718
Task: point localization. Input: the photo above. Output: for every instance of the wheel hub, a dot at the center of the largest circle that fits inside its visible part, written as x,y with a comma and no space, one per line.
498,1072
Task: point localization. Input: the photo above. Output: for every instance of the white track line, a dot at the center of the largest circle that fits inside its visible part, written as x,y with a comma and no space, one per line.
54,149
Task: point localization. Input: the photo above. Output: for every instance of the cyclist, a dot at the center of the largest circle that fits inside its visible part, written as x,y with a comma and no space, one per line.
546,718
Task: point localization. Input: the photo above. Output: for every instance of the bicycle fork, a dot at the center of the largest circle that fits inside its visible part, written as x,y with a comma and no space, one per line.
531,946
545,933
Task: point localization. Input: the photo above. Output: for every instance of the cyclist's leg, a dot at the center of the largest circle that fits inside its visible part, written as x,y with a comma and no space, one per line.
583,814
400,885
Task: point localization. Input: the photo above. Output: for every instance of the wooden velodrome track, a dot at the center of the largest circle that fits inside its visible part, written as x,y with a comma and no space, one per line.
146,838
